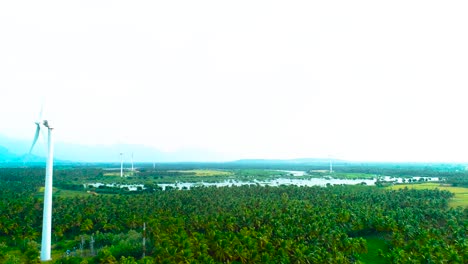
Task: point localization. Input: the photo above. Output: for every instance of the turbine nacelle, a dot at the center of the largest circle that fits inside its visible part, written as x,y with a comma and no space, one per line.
46,123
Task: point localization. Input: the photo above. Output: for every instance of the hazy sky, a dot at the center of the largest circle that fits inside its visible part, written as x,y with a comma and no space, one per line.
361,80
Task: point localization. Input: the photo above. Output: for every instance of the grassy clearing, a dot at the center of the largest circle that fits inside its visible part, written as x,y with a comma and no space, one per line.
205,173
260,173
112,174
461,194
344,175
341,175
69,193
62,193
374,243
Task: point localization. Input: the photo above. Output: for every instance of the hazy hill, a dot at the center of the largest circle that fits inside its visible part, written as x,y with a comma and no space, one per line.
290,161
6,155
15,150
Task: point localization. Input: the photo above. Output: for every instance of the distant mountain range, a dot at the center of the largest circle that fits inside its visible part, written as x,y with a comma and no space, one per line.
290,161
15,151
7,157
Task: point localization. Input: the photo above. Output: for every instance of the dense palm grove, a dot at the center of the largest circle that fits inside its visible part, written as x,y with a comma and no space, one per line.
249,224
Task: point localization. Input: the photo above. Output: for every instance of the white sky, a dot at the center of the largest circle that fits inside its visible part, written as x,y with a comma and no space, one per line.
359,80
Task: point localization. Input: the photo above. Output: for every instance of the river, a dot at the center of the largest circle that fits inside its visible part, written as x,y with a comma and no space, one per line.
274,182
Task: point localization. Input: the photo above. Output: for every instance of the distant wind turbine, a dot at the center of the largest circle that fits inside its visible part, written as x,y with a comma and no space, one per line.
47,211
132,162
121,164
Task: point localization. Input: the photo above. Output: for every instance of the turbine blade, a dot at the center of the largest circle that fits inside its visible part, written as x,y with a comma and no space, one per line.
36,136
40,113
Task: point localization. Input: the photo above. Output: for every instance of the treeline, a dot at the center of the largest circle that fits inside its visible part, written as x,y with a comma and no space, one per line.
402,171
455,175
458,179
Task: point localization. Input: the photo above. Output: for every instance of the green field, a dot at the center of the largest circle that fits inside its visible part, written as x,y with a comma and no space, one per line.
205,173
374,244
112,174
69,193
341,175
117,173
461,194
260,173
62,193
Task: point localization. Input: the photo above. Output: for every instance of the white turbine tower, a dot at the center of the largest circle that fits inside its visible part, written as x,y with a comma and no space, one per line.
132,162
331,164
47,211
121,164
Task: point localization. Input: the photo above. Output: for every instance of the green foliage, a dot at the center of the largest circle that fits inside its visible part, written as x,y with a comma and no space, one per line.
3,250
460,195
129,260
146,260
71,260
376,245
11,259
32,252
128,245
248,224
86,225
105,256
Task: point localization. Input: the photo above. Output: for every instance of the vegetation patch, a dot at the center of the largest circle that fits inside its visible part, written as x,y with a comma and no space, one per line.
341,175
204,173
245,224
375,245
258,173
40,191
70,193
460,198
112,174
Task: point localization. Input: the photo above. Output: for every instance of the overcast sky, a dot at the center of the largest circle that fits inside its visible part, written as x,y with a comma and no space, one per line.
359,80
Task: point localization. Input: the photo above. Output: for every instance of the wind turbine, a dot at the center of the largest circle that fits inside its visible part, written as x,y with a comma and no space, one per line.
132,162
47,211
331,164
121,164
